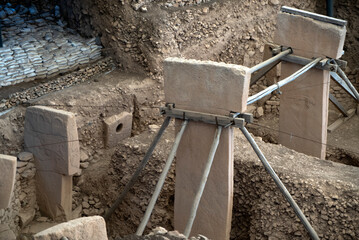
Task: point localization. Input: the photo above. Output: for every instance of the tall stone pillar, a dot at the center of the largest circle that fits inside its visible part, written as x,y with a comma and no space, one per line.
303,117
51,135
215,88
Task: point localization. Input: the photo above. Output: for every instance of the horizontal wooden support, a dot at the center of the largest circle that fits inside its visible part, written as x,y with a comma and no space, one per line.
341,120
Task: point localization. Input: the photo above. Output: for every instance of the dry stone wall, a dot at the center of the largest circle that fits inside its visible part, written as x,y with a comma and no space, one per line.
23,206
38,46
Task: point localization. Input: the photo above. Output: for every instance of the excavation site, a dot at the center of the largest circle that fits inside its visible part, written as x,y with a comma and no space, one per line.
179,119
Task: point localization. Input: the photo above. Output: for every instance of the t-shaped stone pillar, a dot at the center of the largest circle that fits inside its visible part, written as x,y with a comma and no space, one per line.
51,135
303,117
215,88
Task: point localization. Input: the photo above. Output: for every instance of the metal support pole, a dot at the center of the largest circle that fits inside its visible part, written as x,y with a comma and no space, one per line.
330,8
0,37
338,105
280,185
342,84
161,180
281,83
347,81
203,181
139,169
255,77
270,60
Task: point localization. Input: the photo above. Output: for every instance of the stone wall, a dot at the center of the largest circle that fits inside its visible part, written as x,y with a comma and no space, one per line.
23,204
38,45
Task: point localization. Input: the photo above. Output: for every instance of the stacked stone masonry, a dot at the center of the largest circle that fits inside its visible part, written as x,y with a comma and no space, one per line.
23,206
39,46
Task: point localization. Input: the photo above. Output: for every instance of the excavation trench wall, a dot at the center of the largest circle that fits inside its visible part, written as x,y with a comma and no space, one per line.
92,103
228,31
327,192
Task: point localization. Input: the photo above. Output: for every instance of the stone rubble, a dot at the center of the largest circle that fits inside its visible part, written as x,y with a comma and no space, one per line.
160,233
56,84
23,207
141,4
38,47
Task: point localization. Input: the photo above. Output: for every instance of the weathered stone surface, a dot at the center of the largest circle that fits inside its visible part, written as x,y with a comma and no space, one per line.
54,194
25,156
303,118
303,114
6,233
80,229
7,179
206,86
26,216
51,135
214,214
309,37
117,128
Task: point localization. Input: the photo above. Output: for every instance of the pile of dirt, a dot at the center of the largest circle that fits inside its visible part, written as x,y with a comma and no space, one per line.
228,31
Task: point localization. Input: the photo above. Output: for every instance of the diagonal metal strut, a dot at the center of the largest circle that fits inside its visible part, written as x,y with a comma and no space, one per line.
203,181
161,180
283,82
280,185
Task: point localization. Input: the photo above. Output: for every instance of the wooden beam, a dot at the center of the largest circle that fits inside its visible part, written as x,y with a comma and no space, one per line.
341,120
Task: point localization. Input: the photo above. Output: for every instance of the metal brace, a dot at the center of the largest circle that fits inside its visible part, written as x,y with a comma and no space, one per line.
325,64
233,119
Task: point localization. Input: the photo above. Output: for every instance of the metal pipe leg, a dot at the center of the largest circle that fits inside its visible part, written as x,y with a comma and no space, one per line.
280,185
283,82
350,85
139,169
270,60
161,180
202,184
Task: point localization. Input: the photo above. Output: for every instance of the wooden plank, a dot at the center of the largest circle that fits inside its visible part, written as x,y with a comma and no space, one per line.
341,120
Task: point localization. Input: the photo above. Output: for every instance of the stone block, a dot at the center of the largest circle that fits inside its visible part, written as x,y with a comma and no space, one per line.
309,37
117,128
26,216
80,229
7,179
6,233
303,118
25,156
214,213
54,194
51,135
273,74
193,85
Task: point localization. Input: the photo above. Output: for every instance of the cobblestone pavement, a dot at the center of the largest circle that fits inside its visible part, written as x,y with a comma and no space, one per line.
37,45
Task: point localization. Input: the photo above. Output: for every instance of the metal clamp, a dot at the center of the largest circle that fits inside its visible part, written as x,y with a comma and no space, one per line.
233,119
